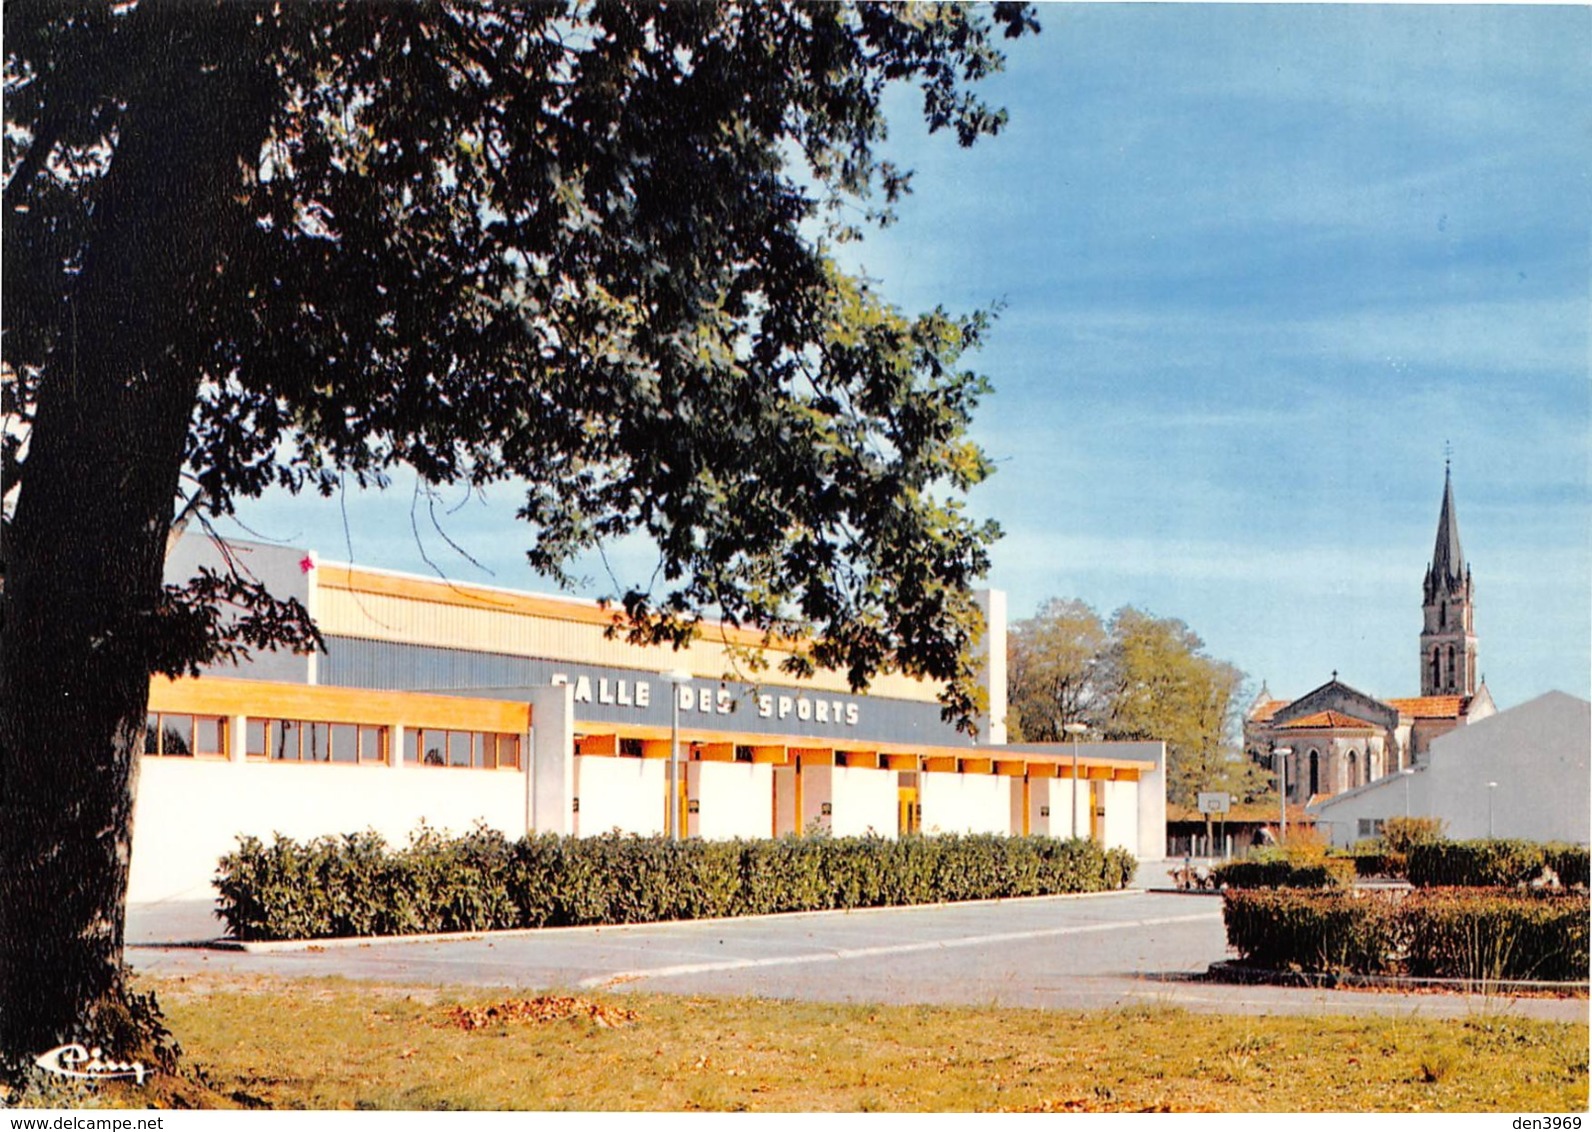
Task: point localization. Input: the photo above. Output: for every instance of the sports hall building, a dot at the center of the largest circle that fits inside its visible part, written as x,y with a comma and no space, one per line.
451,704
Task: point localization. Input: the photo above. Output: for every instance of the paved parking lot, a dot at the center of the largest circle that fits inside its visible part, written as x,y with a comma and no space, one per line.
1109,950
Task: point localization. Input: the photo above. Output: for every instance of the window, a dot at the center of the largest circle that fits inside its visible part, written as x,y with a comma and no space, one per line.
480,750
184,736
1370,827
311,741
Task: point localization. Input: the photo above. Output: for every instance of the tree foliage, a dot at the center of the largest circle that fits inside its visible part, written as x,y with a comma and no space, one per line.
1051,660
586,247
1136,677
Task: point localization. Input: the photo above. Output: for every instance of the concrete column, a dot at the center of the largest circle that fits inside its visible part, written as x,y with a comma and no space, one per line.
552,760
991,655
237,738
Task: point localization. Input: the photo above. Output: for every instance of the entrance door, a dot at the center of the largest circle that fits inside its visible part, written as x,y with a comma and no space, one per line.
909,813
1097,810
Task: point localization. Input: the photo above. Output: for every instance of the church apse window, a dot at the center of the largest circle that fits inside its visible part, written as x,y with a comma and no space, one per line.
1315,772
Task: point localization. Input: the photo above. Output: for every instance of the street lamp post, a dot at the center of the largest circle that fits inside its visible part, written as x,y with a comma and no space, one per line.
1491,786
675,678
1075,730
1280,757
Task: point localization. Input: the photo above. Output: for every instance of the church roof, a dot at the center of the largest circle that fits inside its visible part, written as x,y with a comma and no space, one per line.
1448,559
1327,721
1432,707
1262,712
1414,707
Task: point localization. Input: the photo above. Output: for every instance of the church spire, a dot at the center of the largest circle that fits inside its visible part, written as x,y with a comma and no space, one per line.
1448,636
1448,559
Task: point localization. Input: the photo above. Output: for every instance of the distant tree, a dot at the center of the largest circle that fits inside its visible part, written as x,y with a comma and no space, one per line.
1050,671
1163,686
1136,677
585,247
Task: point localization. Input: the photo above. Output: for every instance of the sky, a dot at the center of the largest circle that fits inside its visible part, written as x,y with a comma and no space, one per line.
1260,269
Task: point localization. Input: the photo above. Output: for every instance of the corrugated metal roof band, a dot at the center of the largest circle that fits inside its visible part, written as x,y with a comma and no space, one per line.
605,694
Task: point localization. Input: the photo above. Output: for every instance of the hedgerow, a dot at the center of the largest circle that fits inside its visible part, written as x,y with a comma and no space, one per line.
1474,934
356,885
1327,872
1494,862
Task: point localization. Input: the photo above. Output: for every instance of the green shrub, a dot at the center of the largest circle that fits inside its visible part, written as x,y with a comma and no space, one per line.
1328,872
1489,863
1302,930
1398,834
1370,859
1473,934
1484,935
1569,862
357,886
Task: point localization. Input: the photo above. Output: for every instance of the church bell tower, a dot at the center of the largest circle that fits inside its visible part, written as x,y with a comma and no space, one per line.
1448,639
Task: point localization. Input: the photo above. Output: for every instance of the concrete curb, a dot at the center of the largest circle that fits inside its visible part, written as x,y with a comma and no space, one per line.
267,947
1230,971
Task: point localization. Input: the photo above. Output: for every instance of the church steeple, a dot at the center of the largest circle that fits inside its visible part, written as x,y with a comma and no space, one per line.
1448,559
1448,641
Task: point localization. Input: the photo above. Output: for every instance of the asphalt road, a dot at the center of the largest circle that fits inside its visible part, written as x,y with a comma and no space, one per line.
1113,950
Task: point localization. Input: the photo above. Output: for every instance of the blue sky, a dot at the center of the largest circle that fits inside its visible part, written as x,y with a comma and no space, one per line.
1258,265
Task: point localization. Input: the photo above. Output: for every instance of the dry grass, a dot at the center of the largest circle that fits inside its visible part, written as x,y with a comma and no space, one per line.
328,1044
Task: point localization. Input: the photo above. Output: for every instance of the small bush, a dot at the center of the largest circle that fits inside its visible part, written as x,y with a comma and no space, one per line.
357,886
1398,834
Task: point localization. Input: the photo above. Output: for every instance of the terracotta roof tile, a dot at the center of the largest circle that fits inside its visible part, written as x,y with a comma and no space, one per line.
1432,707
1327,720
1264,712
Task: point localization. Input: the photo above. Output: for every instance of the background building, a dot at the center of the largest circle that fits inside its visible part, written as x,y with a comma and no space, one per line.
1521,773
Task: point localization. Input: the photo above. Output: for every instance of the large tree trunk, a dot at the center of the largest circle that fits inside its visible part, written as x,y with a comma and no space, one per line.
83,571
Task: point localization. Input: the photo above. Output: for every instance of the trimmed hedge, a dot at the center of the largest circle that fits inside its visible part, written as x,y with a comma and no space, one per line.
1494,862
1479,935
355,885
1329,872
1375,862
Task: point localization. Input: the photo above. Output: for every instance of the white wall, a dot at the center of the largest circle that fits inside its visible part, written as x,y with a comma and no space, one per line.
965,803
785,800
866,800
1121,830
817,791
626,794
736,800
190,812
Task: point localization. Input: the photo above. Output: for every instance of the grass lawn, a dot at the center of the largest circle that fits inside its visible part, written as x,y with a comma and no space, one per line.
330,1044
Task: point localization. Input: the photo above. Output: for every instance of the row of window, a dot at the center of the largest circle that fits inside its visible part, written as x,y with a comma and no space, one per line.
176,735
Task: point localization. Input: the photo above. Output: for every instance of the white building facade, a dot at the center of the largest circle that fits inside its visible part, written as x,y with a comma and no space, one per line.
451,705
